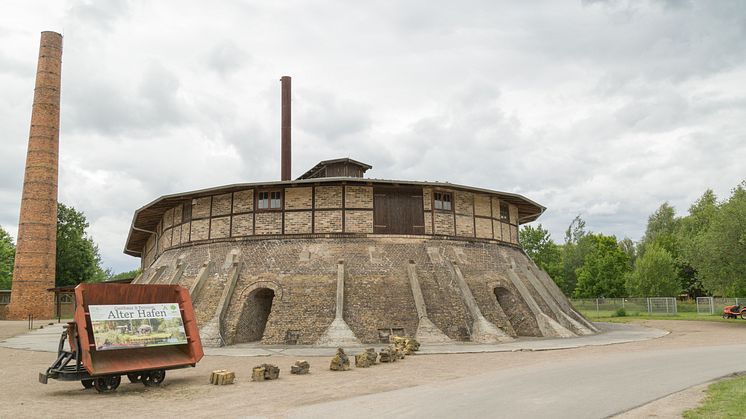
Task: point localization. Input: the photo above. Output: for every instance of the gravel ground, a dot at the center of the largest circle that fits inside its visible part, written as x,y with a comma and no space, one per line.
187,392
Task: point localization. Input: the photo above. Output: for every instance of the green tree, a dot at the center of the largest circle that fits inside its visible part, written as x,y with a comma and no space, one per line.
689,229
538,244
78,259
661,229
655,274
719,255
126,275
603,270
630,249
573,253
7,256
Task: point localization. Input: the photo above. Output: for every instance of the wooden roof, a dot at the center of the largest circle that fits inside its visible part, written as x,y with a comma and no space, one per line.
323,164
147,217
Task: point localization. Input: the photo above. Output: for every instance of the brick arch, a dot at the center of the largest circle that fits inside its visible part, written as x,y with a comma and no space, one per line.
515,308
274,286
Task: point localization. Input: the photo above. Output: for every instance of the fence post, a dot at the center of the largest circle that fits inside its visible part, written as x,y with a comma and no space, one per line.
675,306
598,313
712,305
648,301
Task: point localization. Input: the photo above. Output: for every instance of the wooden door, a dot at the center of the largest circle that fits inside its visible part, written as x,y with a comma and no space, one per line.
398,211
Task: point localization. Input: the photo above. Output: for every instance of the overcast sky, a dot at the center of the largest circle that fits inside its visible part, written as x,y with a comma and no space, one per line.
600,108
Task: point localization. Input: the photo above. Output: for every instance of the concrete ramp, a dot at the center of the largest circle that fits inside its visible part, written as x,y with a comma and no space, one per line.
339,333
482,331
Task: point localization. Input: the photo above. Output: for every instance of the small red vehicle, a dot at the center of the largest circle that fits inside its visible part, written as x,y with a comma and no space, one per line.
733,312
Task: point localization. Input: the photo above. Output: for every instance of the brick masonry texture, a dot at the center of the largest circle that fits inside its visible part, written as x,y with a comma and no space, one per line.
464,203
221,204
482,205
298,198
328,221
243,201
243,225
444,223
34,264
465,225
484,228
301,274
328,197
269,222
325,219
200,229
358,197
220,227
358,221
298,222
427,198
201,207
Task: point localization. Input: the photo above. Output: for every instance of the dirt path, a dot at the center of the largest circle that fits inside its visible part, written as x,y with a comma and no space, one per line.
187,392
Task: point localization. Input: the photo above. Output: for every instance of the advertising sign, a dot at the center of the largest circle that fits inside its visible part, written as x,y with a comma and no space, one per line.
136,325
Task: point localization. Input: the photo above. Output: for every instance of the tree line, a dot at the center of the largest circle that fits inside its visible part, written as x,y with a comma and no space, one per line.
700,253
77,259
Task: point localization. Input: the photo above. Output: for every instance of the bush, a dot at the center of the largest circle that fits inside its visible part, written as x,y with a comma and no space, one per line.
620,312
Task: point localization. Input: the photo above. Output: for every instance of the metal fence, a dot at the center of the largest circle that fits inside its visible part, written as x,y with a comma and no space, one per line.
655,305
713,305
608,306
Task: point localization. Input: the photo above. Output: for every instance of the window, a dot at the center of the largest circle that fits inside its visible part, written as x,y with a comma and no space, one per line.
504,212
269,200
443,201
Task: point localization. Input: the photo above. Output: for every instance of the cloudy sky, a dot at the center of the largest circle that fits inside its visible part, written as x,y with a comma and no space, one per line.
599,108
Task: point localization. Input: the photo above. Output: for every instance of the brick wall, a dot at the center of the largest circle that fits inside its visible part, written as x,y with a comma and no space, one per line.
298,198
298,222
319,210
358,197
302,275
328,197
357,221
328,221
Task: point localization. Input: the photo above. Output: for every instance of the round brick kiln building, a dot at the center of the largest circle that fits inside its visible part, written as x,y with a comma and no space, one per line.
335,258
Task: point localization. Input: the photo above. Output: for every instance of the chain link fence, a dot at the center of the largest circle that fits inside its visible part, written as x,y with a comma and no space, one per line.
610,306
606,307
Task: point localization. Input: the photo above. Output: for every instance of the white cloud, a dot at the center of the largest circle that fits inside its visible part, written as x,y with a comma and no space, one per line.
600,108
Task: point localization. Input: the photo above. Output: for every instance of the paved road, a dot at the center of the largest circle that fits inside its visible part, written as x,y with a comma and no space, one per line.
590,387
48,338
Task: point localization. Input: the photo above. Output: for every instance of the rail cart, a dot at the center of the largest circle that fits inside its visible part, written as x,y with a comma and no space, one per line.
100,364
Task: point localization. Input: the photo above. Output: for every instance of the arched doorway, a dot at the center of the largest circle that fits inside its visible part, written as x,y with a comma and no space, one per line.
253,319
518,313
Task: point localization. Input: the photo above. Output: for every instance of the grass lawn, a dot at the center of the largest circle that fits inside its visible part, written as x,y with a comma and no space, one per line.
725,399
612,317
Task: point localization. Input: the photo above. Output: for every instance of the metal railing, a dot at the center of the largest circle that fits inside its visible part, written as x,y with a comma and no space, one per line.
715,305
655,305
609,306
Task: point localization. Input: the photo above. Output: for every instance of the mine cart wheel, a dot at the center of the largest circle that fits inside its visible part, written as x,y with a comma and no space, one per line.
135,377
107,383
153,378
87,383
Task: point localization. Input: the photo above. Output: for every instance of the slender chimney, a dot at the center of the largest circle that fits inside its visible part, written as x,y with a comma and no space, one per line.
34,267
286,152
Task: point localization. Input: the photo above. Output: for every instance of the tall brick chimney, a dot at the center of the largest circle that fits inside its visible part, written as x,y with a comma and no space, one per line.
34,268
285,129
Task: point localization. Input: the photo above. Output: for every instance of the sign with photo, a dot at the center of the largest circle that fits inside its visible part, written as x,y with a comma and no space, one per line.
136,325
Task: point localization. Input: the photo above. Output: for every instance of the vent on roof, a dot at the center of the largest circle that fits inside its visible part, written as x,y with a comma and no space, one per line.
344,167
